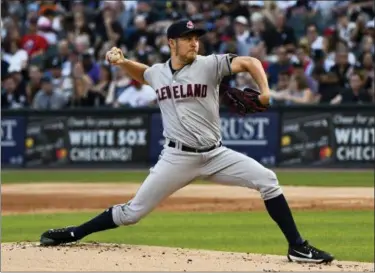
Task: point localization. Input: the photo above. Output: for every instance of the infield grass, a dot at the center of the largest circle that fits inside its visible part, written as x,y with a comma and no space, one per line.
349,235
363,178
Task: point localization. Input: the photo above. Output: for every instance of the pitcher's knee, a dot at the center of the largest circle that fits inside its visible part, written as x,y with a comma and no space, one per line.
269,185
123,215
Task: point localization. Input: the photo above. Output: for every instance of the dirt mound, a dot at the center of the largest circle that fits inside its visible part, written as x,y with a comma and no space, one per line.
29,256
36,198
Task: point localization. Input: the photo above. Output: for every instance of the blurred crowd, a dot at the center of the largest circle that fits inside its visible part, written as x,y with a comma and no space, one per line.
53,52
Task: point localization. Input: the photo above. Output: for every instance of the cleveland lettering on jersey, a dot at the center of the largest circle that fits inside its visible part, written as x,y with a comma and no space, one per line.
182,91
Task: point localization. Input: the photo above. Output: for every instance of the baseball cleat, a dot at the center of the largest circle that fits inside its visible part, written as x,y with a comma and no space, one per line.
60,236
306,253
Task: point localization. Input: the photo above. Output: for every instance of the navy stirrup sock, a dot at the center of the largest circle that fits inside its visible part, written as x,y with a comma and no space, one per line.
101,222
279,211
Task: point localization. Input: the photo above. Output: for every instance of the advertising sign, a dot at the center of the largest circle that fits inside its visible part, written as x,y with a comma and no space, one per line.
255,135
306,139
87,140
354,135
12,141
327,139
108,139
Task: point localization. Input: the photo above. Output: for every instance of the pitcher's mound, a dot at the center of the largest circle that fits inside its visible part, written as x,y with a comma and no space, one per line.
113,257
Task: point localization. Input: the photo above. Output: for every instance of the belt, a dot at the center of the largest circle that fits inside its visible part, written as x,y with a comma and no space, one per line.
193,150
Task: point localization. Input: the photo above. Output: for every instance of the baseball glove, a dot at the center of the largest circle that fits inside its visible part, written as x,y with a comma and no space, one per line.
242,102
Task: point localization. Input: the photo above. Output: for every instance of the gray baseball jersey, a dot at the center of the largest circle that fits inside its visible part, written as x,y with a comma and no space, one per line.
189,103
189,99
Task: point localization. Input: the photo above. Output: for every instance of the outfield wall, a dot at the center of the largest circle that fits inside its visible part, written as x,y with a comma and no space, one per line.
307,137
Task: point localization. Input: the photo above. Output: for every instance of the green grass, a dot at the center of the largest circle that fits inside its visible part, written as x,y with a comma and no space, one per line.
91,176
349,235
309,178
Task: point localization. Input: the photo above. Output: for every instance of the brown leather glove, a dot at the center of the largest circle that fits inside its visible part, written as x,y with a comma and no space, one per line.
242,102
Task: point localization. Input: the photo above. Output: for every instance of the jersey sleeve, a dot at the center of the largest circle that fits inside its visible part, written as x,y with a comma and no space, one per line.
147,75
151,94
221,65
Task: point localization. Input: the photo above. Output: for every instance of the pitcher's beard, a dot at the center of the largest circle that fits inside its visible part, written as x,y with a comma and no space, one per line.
189,58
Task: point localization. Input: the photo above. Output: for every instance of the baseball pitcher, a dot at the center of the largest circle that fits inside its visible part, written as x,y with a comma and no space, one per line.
189,92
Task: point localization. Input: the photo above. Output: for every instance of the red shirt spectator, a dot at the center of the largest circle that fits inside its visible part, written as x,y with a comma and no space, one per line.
32,42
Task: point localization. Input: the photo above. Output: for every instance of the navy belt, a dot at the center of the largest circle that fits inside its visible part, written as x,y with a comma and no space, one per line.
193,150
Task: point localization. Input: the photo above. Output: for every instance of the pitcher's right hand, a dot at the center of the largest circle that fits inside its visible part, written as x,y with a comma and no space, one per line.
115,56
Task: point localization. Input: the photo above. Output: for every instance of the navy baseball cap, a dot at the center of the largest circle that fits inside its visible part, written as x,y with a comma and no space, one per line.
182,28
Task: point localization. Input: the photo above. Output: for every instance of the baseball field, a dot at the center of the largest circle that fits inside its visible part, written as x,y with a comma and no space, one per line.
202,227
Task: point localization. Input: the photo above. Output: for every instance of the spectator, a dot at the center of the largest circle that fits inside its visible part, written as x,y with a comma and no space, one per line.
342,69
105,80
367,45
82,44
257,28
283,81
354,94
142,50
280,35
297,92
359,30
299,71
144,8
241,29
328,84
124,13
302,56
254,34
137,95
81,27
44,26
61,83
367,66
339,46
345,28
139,32
81,32
14,55
223,26
19,77
32,42
330,9
53,14
83,95
91,67
48,98
282,64
313,37
64,53
108,29
330,40
11,98
34,84
117,87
